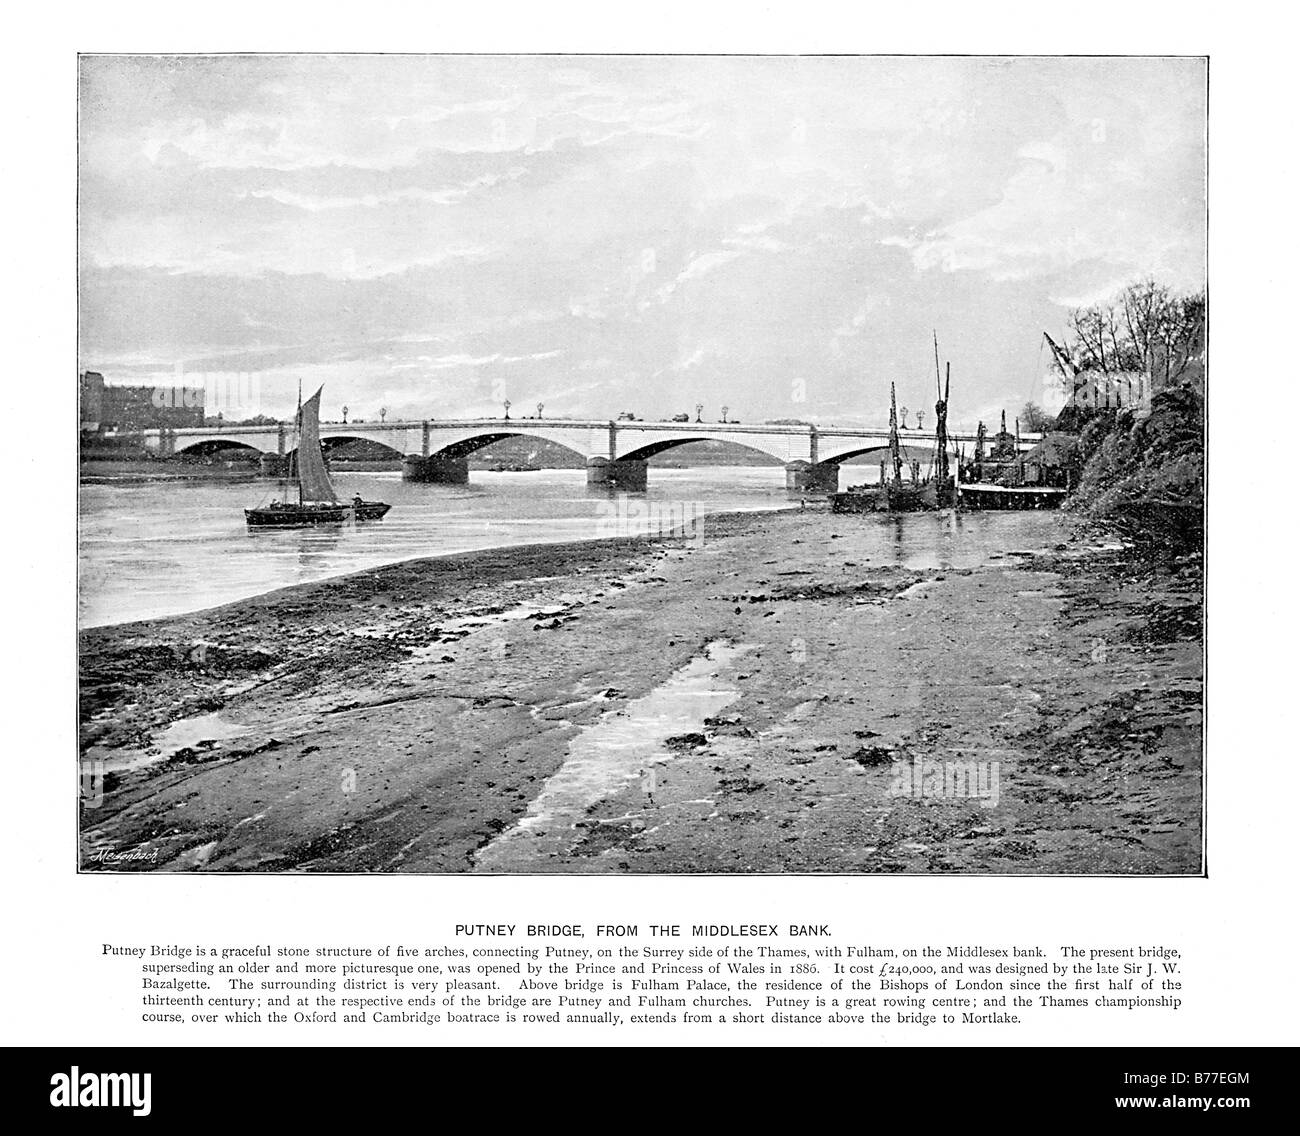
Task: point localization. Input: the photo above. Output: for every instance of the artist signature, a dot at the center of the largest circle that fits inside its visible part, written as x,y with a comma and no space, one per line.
126,856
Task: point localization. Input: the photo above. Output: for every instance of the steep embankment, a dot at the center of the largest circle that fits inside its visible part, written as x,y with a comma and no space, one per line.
1145,476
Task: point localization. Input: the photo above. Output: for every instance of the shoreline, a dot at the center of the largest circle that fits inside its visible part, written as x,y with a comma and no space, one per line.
403,718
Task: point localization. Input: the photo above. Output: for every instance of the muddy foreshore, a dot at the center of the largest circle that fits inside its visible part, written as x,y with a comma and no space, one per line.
429,716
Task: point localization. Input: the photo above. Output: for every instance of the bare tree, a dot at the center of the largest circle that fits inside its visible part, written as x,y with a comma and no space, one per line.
1036,420
1146,328
1182,336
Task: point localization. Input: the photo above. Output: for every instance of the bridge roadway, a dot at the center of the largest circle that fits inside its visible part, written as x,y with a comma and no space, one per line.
616,452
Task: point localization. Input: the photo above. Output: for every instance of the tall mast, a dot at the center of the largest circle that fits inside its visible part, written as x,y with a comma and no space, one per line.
297,454
895,457
941,425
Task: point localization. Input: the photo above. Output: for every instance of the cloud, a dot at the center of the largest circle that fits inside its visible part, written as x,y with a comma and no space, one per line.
468,361
1118,183
449,195
676,230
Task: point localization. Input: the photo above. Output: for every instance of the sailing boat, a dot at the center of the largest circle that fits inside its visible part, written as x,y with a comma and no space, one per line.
899,496
893,494
941,488
317,502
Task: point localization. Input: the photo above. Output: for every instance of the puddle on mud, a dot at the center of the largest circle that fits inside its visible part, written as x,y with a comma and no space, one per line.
613,752
185,733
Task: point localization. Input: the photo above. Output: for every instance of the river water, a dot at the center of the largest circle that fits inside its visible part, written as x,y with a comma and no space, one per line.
166,547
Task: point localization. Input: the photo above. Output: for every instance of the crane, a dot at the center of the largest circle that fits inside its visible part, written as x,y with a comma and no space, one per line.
1062,359
1066,368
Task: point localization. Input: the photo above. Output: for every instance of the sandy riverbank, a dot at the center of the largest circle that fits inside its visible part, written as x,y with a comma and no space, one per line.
449,715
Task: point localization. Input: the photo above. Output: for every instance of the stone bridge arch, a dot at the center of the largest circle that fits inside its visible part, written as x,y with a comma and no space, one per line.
639,443
463,447
653,449
206,447
458,439
445,460
633,444
335,441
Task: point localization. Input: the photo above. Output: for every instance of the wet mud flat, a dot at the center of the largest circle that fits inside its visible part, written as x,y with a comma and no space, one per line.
768,699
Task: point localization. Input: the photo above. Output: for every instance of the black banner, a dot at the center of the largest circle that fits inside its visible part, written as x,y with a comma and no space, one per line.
92,1087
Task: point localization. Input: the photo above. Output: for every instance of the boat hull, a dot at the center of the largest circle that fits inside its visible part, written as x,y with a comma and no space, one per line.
1005,497
906,497
302,516
856,501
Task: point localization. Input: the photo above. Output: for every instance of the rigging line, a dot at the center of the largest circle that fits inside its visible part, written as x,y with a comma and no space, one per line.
1039,370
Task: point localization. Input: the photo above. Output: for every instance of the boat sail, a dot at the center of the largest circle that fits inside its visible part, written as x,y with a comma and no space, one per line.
317,503
314,483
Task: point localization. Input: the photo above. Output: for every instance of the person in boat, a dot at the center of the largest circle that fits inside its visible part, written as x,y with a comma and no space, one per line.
356,501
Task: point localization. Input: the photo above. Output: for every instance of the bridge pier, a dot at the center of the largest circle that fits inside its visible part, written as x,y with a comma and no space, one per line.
273,465
629,475
809,477
435,470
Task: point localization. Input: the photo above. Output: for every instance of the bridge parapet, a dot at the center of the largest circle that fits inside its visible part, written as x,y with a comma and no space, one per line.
616,450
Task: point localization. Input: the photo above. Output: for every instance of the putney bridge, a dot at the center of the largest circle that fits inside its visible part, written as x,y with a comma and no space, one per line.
617,452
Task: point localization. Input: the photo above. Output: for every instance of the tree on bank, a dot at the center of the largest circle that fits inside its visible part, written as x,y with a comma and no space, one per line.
1035,419
1147,328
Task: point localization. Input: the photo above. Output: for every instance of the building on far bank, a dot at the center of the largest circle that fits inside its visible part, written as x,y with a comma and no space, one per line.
106,408
91,402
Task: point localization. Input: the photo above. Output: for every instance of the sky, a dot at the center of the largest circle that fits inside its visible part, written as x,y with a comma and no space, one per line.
778,235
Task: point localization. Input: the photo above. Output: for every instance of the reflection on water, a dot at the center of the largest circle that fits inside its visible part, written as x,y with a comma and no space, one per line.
946,539
162,548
